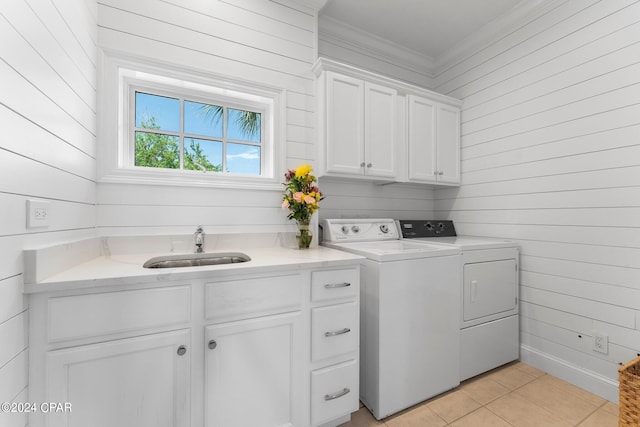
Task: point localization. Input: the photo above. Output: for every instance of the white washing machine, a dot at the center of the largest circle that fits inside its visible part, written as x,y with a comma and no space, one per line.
409,311
489,326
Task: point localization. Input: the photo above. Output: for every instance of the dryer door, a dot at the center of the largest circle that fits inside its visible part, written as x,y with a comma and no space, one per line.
490,291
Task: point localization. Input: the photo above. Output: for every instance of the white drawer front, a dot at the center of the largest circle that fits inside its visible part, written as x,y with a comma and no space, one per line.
94,315
334,330
334,392
334,284
247,298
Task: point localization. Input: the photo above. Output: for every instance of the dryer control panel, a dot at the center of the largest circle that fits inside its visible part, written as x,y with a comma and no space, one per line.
426,228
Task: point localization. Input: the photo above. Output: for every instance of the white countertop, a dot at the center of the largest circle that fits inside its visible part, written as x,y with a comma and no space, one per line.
126,269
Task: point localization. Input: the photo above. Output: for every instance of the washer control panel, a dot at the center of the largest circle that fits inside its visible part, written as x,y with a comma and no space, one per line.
358,230
426,228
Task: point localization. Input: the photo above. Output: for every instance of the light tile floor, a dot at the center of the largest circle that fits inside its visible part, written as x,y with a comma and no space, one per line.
513,395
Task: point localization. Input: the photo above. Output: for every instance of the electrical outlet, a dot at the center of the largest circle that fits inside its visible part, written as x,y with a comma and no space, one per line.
600,343
38,213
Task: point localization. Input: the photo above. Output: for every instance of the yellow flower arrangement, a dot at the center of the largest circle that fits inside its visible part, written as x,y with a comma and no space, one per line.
301,197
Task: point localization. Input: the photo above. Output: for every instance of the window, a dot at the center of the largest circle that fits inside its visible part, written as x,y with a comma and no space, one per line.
178,133
181,127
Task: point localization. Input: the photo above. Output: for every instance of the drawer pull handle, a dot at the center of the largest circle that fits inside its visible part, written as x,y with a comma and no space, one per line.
334,333
336,395
337,285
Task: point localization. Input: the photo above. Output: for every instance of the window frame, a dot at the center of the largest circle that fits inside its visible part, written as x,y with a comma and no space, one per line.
123,76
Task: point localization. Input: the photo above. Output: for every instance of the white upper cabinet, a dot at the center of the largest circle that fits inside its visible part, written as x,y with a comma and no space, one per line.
344,124
380,131
374,127
359,128
433,141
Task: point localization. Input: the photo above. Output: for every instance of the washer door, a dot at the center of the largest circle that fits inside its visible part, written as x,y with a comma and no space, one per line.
489,290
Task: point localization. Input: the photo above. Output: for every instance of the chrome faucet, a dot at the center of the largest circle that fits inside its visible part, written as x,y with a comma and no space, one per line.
199,239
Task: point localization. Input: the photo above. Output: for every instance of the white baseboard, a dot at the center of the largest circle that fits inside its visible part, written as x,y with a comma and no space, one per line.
585,379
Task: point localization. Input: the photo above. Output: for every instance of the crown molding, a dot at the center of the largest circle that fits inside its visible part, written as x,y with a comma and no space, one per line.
314,5
492,31
338,33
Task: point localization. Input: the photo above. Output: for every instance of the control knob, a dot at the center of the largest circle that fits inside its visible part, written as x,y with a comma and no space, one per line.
384,228
355,228
345,229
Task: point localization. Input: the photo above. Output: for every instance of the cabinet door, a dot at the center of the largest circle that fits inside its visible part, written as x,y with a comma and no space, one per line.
422,139
448,145
380,131
135,382
344,124
253,373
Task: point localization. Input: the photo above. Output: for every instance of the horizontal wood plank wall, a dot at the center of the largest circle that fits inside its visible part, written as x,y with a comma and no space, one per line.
48,111
355,199
551,159
270,43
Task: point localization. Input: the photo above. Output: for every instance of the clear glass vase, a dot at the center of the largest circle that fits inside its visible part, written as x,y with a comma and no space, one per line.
304,235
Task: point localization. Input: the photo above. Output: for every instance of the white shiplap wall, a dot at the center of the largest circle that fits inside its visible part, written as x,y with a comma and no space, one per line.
267,43
356,199
48,115
551,159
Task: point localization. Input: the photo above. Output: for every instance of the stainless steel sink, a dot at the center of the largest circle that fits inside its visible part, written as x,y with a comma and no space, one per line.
195,260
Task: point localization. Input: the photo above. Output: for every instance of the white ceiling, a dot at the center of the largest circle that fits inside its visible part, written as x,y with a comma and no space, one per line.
428,27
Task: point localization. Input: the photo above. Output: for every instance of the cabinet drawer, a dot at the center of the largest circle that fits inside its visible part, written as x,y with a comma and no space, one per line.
334,392
334,330
248,298
334,284
94,315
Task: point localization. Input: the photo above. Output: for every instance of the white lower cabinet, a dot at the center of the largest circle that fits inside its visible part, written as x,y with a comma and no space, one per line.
253,372
273,350
335,344
136,382
334,391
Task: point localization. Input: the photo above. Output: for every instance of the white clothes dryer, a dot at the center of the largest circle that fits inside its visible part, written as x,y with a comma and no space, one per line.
489,324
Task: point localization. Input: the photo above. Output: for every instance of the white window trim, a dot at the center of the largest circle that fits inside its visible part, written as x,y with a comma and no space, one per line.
120,72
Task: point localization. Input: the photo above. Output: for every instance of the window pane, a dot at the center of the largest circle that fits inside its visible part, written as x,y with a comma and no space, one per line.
202,155
243,159
243,125
203,119
157,151
157,112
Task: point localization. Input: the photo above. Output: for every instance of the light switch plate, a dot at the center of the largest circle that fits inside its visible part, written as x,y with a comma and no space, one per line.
38,214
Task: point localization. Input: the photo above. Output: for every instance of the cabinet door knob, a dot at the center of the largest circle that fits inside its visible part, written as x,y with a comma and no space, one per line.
362,164
440,173
212,344
182,350
369,165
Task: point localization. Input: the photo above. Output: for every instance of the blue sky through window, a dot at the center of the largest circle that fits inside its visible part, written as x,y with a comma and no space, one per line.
202,119
164,110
